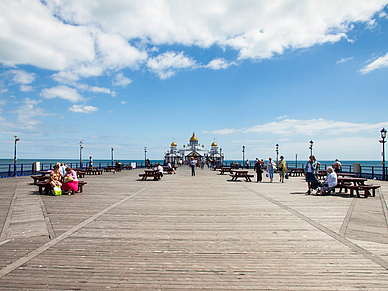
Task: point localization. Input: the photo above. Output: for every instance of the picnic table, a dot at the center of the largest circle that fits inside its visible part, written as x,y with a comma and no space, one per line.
225,169
355,184
39,178
235,174
168,170
150,173
93,171
295,172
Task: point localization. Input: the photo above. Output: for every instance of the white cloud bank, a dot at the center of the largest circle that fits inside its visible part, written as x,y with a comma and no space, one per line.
289,127
83,109
81,38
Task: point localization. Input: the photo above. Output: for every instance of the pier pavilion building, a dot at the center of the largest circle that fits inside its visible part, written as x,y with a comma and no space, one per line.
193,149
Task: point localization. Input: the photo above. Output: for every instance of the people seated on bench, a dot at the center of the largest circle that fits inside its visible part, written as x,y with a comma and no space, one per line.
159,168
55,177
170,168
70,182
330,182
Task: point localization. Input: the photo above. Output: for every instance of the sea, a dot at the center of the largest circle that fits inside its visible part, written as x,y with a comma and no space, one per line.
141,162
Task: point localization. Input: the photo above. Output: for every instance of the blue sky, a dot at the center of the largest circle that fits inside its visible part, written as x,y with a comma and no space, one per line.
129,74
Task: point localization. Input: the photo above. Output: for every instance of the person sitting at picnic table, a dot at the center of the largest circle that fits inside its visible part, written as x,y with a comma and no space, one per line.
259,171
282,169
330,182
310,169
55,177
170,168
159,168
337,166
271,167
70,182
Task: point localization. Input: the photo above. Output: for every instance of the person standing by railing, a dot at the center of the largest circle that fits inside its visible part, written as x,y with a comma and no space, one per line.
337,166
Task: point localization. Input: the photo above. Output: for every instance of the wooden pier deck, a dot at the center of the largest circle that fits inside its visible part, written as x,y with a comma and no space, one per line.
197,233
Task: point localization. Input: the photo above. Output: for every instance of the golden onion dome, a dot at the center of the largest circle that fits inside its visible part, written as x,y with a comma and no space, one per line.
193,138
214,144
173,144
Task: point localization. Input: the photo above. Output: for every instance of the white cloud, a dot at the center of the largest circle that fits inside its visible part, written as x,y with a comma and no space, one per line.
344,60
380,63
96,89
218,63
31,34
166,65
123,102
62,92
88,38
27,113
121,80
288,127
22,77
83,109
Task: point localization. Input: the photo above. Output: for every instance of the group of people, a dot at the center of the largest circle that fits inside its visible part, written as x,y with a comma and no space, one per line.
64,177
271,167
331,180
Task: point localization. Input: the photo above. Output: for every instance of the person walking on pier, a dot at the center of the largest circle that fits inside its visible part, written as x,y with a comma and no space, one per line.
259,171
193,163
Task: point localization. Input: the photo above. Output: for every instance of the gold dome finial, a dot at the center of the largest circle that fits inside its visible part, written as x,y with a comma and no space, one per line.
193,138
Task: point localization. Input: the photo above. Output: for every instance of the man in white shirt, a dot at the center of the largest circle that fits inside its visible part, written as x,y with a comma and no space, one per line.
330,182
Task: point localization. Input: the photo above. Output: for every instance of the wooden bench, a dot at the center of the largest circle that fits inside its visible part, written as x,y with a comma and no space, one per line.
147,174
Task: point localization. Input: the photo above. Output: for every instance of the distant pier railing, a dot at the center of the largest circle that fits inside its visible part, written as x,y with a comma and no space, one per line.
9,170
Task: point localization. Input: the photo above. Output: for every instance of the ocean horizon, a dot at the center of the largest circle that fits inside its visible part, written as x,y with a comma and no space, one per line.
105,161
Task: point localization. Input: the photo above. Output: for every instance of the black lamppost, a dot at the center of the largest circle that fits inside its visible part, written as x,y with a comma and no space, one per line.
296,160
243,151
80,152
15,157
277,154
145,156
383,141
311,147
112,149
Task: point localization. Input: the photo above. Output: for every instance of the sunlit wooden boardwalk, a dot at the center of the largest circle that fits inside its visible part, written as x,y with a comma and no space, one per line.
184,232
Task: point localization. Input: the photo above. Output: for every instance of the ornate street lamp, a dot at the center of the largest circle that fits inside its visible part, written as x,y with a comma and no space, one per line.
112,149
80,152
15,156
383,141
296,160
221,159
243,151
311,147
277,154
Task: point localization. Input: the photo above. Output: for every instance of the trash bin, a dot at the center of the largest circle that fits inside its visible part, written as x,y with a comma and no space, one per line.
36,167
133,165
356,168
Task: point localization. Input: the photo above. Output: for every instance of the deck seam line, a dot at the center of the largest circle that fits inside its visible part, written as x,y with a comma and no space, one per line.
11,267
367,254
47,219
383,205
346,221
8,218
